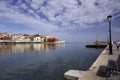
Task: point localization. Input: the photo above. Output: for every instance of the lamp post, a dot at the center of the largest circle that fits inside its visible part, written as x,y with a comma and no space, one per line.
110,42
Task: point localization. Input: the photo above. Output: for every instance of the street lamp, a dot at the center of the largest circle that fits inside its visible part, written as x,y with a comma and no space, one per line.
110,43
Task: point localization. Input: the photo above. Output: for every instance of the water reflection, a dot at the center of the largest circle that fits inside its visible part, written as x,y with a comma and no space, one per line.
22,48
44,61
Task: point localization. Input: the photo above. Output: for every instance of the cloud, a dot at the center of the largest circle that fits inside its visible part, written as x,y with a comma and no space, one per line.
24,6
70,14
14,16
52,15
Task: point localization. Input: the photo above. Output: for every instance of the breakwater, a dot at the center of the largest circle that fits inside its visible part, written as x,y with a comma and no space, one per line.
96,46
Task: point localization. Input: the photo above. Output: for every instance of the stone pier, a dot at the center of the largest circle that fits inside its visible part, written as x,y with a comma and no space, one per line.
98,70
91,73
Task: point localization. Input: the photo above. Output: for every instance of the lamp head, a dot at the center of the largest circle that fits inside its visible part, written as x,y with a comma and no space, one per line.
109,17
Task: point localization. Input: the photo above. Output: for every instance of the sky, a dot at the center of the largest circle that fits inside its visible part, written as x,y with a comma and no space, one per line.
70,20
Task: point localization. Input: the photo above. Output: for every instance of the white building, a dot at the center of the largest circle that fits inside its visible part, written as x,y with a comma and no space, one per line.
18,38
37,39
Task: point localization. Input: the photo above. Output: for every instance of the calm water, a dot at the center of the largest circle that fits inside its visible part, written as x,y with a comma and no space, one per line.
44,61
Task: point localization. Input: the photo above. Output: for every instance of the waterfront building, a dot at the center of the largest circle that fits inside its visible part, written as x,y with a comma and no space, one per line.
1,38
27,38
37,38
50,39
6,37
42,39
18,38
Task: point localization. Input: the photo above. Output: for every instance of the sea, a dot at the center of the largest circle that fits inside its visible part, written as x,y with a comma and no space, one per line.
38,61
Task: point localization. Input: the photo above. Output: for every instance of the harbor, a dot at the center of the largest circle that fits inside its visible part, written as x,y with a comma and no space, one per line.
59,39
38,61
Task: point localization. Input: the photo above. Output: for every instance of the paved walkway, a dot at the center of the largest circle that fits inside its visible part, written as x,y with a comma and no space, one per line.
115,53
114,57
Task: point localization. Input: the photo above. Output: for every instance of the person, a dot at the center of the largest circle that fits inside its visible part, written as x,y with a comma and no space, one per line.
118,44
